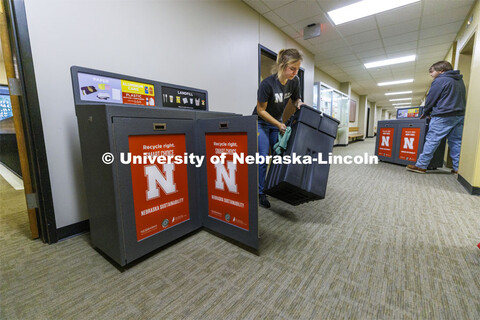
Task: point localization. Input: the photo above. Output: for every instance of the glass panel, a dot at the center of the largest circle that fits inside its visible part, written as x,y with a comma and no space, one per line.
5,103
315,95
326,100
336,106
266,65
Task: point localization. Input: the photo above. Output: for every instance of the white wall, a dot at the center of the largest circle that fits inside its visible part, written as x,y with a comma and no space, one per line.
323,77
362,114
211,45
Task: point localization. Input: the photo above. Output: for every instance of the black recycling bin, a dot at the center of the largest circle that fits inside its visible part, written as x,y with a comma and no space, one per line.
401,141
313,134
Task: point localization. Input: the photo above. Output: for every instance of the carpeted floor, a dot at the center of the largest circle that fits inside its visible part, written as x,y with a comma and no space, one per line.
383,244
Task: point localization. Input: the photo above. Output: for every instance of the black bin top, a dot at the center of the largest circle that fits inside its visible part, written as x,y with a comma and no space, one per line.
315,119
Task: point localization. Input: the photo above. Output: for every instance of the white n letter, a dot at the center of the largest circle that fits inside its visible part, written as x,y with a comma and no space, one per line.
278,97
155,177
228,177
385,140
408,143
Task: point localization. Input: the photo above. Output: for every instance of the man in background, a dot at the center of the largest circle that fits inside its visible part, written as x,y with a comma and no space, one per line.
445,104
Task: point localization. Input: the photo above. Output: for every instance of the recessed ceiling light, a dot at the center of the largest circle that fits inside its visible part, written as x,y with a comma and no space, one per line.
395,82
400,104
401,99
365,8
395,93
389,61
402,107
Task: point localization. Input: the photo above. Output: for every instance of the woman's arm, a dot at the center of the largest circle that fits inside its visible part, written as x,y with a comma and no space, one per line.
262,112
290,108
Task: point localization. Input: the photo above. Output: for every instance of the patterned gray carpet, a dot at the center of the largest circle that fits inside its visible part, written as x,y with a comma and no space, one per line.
383,244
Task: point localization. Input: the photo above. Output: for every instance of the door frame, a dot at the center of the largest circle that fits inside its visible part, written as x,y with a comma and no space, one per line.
38,191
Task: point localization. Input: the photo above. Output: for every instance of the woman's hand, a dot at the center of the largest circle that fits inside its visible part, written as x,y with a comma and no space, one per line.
282,127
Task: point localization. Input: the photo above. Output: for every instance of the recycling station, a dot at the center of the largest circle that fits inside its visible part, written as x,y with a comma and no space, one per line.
401,141
136,206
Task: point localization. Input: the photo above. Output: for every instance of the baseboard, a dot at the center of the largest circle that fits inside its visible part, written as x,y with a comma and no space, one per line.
445,164
340,145
73,229
471,189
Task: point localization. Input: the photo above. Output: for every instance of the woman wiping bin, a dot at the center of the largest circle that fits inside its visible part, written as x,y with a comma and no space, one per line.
279,91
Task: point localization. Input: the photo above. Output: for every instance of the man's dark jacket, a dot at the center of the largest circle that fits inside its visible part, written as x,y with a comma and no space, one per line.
446,96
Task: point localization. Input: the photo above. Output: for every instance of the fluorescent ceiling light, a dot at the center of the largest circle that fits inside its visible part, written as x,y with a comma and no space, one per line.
395,93
389,61
402,107
365,8
400,104
401,99
395,82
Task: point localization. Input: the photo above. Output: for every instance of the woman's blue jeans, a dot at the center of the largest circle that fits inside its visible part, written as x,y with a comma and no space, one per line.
267,137
439,128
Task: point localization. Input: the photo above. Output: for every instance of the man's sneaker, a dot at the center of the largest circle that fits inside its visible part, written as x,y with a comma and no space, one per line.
413,168
454,171
263,201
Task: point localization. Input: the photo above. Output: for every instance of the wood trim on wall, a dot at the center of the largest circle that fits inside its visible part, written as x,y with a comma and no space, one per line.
17,120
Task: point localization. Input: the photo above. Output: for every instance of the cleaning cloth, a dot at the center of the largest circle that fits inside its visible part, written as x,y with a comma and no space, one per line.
281,145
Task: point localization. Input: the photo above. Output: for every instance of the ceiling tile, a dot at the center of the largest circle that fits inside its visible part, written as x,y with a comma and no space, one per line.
354,69
373,58
258,6
404,38
438,40
357,26
292,32
321,62
377,72
441,29
329,5
360,76
331,45
364,76
400,29
344,58
352,63
298,11
373,55
327,33
368,46
398,49
396,16
439,48
300,25
275,19
408,67
441,6
444,17
405,75
363,37
336,53
274,4
332,69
